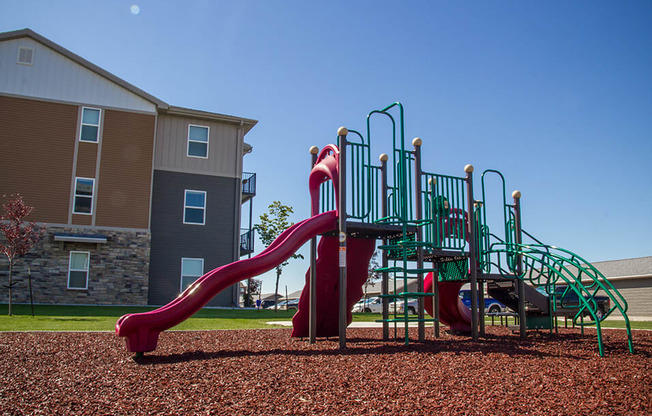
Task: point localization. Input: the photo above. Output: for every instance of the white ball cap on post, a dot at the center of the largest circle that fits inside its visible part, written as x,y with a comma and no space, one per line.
468,168
383,157
417,142
516,194
314,150
342,131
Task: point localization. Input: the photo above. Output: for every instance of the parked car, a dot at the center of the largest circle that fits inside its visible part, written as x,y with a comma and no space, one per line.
373,305
567,301
267,303
399,306
287,305
491,305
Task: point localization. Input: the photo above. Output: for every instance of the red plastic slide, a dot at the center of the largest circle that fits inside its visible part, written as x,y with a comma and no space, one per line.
358,254
142,329
452,310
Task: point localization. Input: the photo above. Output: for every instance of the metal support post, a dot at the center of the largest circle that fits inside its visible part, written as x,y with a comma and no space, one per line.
417,142
342,133
519,266
385,262
435,290
472,252
312,329
481,302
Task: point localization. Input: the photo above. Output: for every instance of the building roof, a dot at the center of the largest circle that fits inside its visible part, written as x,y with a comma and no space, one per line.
636,267
161,105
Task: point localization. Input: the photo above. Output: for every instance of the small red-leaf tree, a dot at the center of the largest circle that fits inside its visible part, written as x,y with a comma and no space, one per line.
19,235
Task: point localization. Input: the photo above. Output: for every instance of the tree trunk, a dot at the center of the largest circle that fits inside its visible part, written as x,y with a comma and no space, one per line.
278,276
11,266
248,298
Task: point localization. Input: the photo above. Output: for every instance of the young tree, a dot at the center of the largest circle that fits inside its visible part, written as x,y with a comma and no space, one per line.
19,235
253,288
373,275
271,225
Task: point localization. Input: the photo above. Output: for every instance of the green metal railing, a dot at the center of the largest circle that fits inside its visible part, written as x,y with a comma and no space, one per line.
400,179
445,214
401,212
547,266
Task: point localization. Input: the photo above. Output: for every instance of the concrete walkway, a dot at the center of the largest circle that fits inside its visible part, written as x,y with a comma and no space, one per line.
354,324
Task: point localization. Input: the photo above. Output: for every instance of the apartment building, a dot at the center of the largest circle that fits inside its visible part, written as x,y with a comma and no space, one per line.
140,197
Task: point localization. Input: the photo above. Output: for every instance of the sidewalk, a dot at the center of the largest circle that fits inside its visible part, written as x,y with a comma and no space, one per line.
354,324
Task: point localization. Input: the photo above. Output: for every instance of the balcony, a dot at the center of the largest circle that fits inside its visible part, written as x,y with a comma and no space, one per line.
246,241
248,186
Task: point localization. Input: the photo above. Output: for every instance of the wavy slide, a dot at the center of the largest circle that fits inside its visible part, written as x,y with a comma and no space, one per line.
142,329
452,310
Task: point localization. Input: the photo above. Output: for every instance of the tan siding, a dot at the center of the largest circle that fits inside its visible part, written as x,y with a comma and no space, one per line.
86,160
80,219
125,170
37,142
224,154
637,293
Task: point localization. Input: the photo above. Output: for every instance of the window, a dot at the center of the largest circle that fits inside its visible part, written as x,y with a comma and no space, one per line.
90,125
198,141
84,196
78,270
191,269
194,208
25,55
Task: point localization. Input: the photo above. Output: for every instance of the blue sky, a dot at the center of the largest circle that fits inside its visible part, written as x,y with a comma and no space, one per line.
557,95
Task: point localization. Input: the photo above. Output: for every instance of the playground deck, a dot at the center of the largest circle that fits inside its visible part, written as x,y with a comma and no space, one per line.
253,372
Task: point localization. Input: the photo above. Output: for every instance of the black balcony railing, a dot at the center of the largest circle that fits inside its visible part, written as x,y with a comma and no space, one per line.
248,184
246,241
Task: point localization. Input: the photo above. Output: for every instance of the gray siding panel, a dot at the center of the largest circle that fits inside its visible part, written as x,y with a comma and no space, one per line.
224,150
53,76
215,241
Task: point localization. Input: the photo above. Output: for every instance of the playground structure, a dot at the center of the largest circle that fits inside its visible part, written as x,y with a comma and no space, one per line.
433,231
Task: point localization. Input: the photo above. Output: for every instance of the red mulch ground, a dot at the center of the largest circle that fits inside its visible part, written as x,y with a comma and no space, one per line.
265,372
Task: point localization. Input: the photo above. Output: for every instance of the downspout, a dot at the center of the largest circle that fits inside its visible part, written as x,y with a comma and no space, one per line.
238,207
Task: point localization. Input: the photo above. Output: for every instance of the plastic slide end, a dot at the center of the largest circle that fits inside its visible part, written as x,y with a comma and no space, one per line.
139,338
144,340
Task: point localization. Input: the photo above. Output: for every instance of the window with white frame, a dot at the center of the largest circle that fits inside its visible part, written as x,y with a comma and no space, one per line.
25,55
198,141
84,189
191,269
90,125
194,207
78,270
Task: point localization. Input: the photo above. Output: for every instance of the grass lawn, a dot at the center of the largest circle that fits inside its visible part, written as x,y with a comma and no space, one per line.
103,318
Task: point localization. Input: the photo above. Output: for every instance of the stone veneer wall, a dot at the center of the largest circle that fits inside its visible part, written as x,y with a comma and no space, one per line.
118,272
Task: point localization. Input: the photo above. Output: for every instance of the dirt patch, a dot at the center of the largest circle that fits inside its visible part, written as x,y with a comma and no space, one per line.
265,372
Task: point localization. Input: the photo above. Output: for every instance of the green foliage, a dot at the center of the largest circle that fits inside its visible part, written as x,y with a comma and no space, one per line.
253,289
271,225
373,275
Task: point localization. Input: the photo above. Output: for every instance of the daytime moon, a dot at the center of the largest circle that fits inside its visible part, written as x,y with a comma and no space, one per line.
134,9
